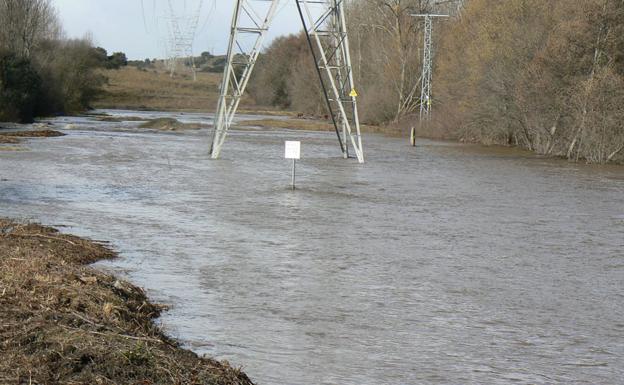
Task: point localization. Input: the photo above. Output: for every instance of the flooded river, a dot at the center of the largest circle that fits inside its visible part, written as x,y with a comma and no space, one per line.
441,264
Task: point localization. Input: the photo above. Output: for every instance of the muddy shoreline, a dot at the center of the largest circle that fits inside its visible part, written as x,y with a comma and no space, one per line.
62,321
16,136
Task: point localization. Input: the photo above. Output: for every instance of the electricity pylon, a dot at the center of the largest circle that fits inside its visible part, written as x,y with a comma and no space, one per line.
329,43
427,66
182,31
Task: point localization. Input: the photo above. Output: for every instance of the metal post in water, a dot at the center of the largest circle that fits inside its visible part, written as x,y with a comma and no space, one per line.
292,150
293,174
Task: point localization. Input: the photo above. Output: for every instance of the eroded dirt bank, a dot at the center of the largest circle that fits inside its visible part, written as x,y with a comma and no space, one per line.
63,322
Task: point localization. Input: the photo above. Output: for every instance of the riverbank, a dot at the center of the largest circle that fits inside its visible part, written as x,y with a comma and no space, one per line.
313,124
62,321
286,120
13,137
154,89
10,141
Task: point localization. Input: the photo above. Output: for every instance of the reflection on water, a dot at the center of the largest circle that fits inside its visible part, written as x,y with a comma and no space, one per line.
443,264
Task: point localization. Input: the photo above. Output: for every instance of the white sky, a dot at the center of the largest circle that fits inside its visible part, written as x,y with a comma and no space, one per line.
118,25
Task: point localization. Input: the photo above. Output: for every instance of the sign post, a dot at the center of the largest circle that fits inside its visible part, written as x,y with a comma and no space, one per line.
293,151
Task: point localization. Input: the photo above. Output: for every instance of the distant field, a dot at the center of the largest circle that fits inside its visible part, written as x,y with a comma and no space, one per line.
154,89
313,125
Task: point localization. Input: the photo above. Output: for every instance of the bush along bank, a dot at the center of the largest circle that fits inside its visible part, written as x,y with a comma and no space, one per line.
62,322
41,71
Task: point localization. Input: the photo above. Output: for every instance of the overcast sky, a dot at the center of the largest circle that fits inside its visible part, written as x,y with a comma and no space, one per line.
138,27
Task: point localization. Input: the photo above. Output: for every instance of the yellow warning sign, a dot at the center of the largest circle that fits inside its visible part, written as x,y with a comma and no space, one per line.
353,93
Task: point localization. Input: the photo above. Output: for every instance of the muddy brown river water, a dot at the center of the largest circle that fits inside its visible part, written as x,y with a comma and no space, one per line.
443,264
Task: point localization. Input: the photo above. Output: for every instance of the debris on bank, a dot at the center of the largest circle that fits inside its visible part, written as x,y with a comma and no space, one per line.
290,124
11,148
11,135
118,119
170,124
62,322
8,140
15,137
309,124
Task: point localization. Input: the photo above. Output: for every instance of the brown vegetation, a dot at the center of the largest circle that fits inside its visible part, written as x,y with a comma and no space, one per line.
289,124
116,119
31,134
285,77
386,51
8,140
42,73
154,89
546,76
62,322
10,148
25,24
169,124
14,137
312,125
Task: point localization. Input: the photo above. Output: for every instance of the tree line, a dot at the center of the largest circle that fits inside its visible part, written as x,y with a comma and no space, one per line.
547,76
41,71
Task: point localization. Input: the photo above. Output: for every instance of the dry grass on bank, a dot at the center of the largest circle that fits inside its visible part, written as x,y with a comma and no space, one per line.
153,89
312,125
15,137
11,148
30,134
8,140
170,124
289,124
62,322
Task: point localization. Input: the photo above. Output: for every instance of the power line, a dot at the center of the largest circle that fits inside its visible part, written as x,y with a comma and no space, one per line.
143,14
211,11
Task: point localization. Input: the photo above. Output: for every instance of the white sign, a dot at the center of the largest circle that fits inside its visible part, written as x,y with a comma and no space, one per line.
293,150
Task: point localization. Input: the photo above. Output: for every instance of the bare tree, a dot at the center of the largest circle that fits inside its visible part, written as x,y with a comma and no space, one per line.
26,23
40,72
387,45
546,76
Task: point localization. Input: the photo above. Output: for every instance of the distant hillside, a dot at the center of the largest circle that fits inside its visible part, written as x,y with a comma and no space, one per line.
148,85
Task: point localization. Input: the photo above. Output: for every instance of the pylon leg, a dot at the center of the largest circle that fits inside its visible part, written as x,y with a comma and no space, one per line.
251,21
326,34
329,42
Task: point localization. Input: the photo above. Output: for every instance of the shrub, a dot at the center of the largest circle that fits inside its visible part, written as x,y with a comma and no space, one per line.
70,81
20,88
117,60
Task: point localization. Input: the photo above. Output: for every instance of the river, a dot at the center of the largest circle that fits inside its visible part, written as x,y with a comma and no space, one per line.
440,264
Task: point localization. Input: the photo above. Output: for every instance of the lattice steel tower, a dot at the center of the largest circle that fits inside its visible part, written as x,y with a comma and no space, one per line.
329,43
182,31
427,66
